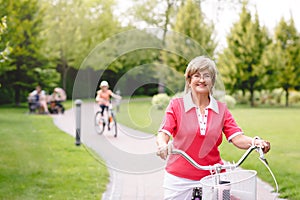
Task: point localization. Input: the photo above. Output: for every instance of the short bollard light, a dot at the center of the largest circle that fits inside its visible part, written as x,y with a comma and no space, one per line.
78,103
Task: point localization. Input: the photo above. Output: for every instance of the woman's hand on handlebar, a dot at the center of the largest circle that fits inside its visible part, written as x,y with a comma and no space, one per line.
162,151
243,142
163,148
263,144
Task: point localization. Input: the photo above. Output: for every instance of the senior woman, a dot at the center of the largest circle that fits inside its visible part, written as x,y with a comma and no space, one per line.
196,122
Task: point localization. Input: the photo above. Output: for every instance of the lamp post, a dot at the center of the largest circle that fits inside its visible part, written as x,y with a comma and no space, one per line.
78,103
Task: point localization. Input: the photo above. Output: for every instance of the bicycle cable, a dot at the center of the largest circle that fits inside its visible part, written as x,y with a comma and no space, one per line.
273,176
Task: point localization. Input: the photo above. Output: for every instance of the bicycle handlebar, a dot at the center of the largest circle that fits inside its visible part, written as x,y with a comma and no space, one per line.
219,167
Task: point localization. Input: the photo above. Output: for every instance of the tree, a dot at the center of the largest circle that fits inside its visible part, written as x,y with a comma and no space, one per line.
240,62
131,54
282,59
4,46
73,29
26,63
192,37
160,14
156,13
4,52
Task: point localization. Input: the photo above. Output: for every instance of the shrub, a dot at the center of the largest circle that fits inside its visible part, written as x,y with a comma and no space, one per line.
294,97
241,98
276,95
230,101
160,101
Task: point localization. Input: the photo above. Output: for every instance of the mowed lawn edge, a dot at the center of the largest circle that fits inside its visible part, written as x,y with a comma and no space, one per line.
39,161
278,125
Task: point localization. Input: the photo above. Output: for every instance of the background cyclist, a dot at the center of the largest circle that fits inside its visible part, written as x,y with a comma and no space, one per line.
104,95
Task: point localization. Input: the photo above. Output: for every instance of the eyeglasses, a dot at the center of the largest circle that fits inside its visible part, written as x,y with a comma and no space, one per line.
205,76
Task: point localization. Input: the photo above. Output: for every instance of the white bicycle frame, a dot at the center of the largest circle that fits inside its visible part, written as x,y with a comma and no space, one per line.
107,113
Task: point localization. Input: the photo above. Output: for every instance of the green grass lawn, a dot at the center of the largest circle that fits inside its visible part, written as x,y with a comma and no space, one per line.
140,115
38,161
278,125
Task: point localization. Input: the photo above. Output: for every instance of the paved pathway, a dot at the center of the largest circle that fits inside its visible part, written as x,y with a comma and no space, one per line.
136,173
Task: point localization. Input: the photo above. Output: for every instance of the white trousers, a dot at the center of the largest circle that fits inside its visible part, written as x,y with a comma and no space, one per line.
176,188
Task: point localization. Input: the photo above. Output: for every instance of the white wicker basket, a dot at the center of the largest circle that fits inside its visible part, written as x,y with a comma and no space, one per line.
242,186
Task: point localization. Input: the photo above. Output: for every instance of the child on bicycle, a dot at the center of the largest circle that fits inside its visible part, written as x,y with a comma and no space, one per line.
196,122
104,95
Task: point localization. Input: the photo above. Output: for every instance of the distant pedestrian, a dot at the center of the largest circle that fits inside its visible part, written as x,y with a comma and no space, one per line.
56,98
37,99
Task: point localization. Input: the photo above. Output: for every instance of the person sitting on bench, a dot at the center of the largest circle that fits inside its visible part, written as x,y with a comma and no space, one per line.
37,100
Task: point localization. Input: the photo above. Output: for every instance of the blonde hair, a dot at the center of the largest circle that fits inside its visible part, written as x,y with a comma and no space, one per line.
197,65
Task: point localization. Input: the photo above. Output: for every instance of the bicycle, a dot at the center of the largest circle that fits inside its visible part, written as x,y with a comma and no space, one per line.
109,120
229,185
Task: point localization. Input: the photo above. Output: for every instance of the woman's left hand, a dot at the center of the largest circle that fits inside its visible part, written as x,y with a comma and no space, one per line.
265,145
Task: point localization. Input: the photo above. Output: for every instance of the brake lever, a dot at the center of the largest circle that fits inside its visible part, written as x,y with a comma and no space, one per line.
262,155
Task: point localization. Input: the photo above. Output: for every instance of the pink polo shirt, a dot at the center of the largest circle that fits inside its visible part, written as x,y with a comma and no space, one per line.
183,122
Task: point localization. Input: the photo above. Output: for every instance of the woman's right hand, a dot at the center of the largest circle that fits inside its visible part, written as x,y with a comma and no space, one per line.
163,148
162,151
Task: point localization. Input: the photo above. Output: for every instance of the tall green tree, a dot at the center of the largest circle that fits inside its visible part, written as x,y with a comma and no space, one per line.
158,14
73,28
155,13
282,59
240,62
131,54
4,45
26,66
192,36
164,14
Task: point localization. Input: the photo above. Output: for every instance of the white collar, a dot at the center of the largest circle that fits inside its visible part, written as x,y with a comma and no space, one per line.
189,104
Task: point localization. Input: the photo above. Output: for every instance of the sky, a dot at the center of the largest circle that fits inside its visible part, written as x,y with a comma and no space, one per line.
269,12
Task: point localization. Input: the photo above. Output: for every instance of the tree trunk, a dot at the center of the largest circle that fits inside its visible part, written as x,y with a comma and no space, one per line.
65,76
286,97
17,95
17,87
252,98
161,87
